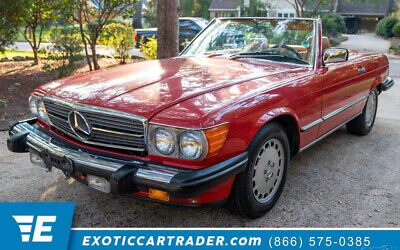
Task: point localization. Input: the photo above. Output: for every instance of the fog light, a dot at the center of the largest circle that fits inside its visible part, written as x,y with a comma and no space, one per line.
37,160
158,194
99,183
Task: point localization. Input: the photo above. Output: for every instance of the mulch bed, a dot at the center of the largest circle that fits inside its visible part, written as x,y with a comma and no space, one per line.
19,79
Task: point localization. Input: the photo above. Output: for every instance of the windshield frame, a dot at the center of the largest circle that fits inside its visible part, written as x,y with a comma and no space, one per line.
315,33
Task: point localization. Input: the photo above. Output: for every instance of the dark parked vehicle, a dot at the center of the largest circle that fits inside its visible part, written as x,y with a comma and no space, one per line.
189,27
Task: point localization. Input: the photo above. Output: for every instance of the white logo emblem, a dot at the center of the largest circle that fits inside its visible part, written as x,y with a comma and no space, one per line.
25,223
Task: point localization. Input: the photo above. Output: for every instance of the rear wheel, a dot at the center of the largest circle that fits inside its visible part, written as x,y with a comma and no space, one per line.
258,188
362,124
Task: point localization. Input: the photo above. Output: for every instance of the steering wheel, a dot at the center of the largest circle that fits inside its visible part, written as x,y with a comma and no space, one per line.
294,51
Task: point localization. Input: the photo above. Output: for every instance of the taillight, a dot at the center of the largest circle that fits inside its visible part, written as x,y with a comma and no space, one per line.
136,37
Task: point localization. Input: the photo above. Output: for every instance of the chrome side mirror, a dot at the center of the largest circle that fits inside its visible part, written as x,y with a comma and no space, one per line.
335,55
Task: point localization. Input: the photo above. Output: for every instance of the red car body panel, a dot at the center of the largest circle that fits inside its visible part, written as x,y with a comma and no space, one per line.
200,92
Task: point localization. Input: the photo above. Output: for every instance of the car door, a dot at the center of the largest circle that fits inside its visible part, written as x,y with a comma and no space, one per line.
343,89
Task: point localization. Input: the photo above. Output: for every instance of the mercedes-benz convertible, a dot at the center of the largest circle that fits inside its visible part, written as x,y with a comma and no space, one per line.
217,124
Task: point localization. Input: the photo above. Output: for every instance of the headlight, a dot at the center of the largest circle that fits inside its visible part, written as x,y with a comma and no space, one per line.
41,111
191,144
32,104
164,141
186,143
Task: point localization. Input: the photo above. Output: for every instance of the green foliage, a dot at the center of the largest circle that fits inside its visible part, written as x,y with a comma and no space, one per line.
64,53
150,13
97,14
149,49
9,21
396,30
121,38
333,24
385,27
260,9
195,8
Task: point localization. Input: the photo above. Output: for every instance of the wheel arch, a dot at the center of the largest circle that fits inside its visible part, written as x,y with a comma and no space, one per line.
289,122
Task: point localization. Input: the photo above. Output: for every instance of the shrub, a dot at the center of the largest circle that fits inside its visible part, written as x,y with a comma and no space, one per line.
121,38
385,26
149,48
396,30
333,24
64,52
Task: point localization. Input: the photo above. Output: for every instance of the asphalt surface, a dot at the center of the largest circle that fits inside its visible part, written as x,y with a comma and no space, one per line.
343,181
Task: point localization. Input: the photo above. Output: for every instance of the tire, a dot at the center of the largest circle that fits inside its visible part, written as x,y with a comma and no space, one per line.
362,124
269,157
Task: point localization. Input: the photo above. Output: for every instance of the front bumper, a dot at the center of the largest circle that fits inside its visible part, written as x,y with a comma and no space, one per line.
125,175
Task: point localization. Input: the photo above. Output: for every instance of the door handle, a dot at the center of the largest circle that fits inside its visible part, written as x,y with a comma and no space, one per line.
361,70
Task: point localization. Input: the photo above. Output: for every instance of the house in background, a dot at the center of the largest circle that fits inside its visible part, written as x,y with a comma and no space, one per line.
224,8
362,16
279,8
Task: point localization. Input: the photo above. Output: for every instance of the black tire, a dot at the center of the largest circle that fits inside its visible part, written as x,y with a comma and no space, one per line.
242,200
360,125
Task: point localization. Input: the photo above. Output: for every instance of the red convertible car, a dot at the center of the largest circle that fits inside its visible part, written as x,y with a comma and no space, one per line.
216,124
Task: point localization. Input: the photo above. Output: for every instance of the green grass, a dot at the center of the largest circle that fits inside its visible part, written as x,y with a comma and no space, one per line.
10,53
45,37
45,33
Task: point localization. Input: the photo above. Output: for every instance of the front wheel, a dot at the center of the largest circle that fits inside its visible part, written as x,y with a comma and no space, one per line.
362,124
258,188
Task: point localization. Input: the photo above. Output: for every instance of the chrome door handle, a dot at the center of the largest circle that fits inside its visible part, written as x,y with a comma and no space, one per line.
361,70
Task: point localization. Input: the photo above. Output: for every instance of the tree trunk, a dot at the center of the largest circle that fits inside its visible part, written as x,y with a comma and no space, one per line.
252,8
94,55
167,28
35,55
137,17
85,44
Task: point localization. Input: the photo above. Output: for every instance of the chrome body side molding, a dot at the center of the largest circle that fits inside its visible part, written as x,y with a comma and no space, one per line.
328,133
332,114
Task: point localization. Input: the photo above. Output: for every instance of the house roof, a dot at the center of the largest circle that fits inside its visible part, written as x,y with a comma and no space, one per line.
366,8
223,5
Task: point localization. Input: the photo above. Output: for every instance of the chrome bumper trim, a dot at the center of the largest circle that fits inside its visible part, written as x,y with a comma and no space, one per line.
388,84
41,142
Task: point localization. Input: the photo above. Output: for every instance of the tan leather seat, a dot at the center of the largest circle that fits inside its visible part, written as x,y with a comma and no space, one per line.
326,44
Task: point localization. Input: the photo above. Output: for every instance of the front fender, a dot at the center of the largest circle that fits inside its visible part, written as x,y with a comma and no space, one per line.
270,115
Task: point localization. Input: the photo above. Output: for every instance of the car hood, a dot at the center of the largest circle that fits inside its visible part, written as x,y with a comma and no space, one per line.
147,88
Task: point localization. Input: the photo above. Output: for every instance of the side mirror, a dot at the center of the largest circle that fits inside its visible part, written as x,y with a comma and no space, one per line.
335,55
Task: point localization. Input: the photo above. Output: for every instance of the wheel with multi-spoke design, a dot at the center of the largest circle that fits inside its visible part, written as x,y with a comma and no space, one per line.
257,189
362,124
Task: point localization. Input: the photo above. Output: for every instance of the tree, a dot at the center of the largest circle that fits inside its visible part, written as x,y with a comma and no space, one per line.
36,15
9,21
196,8
260,9
96,14
121,38
137,16
252,7
167,28
150,13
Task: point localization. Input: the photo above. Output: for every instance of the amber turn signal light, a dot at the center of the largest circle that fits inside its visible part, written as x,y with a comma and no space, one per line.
216,138
158,194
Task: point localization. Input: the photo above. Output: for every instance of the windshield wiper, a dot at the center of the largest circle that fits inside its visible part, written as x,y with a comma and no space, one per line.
267,55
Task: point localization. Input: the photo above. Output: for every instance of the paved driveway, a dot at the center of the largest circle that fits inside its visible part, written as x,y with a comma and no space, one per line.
343,181
366,43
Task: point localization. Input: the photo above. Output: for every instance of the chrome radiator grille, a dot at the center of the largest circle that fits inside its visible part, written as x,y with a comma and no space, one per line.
109,128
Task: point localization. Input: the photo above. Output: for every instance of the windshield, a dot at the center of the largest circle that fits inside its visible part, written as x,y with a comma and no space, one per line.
270,39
